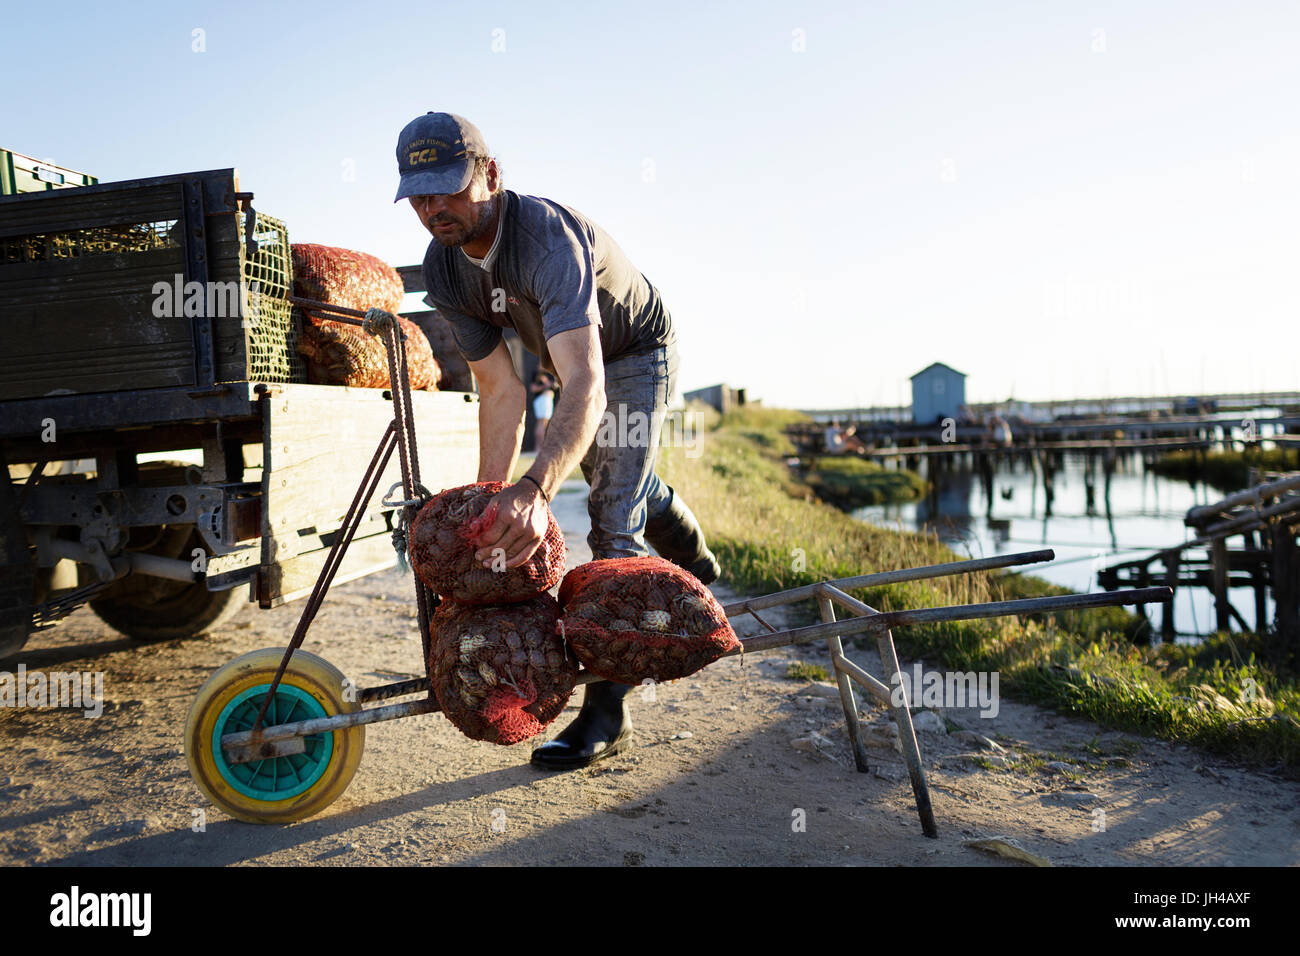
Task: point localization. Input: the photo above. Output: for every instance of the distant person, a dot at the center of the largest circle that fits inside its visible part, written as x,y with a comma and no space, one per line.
833,438
999,432
543,389
841,441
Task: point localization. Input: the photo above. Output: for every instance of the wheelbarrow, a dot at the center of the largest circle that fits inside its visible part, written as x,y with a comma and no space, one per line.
277,734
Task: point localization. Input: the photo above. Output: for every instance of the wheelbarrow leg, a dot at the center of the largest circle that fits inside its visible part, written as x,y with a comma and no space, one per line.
907,735
846,690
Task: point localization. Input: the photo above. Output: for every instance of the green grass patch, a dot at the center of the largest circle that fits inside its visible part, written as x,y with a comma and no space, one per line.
1234,696
1226,470
850,483
802,670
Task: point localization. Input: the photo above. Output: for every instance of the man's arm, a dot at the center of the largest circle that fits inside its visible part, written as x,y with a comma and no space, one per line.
522,514
500,414
578,361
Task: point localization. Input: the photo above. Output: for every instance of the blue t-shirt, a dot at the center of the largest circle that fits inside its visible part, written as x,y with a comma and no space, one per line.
550,270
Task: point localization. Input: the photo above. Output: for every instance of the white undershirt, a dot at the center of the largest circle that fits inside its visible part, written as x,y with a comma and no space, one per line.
486,262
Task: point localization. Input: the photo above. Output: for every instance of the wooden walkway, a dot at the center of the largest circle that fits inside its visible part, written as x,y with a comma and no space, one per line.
1267,519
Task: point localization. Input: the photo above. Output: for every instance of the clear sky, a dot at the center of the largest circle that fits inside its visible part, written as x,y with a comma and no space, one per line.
1059,199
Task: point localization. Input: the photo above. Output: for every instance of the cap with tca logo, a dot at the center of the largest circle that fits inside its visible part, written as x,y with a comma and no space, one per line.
435,155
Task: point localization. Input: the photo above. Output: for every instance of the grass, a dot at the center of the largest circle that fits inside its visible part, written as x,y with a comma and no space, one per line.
850,483
801,670
1234,696
1227,471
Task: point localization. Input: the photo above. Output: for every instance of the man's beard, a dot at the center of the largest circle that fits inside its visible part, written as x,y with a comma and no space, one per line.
462,235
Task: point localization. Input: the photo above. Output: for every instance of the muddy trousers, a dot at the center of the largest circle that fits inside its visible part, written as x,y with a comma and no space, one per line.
619,466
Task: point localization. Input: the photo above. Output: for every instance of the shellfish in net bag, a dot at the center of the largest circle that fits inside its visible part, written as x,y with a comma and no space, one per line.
443,539
633,619
338,353
500,674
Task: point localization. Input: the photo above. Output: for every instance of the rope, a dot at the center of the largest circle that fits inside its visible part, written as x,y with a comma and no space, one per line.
401,531
379,322
400,434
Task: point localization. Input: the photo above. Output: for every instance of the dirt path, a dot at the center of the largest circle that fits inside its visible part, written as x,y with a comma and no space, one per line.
715,777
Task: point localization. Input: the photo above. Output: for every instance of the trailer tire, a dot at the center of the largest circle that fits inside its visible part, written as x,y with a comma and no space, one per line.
18,573
177,610
190,612
13,638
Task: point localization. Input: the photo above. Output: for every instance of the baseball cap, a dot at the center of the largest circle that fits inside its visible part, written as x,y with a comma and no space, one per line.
435,154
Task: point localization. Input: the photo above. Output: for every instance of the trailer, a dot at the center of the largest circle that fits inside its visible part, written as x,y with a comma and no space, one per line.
165,459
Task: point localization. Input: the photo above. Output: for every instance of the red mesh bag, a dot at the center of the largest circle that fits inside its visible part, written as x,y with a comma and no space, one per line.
341,354
443,539
343,277
500,674
629,619
421,367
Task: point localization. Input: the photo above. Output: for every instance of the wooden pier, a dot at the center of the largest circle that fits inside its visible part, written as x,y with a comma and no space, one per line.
1042,446
1267,519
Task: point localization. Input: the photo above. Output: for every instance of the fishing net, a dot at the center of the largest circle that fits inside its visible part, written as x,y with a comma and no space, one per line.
632,619
443,537
500,674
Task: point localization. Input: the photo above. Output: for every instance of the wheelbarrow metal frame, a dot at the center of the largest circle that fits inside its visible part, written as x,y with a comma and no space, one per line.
281,739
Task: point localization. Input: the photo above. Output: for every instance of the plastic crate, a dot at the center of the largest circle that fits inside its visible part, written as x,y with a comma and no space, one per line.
98,289
23,174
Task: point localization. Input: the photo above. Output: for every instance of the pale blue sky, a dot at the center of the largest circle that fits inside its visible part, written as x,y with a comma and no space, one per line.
1059,199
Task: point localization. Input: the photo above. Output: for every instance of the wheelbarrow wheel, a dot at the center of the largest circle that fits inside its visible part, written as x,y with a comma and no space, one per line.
279,789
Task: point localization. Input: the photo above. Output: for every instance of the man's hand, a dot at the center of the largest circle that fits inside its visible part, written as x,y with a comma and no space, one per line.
513,524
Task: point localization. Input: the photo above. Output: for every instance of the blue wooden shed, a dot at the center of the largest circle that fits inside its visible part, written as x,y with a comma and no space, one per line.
938,392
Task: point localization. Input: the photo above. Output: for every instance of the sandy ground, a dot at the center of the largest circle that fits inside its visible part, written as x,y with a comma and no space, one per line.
716,777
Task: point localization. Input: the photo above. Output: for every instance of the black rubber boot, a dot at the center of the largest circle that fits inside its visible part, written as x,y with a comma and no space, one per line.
676,535
602,729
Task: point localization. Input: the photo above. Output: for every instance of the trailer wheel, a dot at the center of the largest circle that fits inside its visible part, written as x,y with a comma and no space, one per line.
13,637
279,789
18,575
152,609
190,611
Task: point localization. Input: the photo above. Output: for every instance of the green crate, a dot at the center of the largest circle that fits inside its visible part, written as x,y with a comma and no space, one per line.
272,344
23,174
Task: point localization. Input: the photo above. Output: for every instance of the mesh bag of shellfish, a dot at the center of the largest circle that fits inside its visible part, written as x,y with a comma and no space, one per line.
421,367
629,619
443,537
341,354
500,674
345,277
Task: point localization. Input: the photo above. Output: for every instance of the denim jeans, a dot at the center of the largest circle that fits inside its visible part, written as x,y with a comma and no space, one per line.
619,465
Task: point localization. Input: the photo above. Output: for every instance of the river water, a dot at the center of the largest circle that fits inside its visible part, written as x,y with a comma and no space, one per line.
1143,513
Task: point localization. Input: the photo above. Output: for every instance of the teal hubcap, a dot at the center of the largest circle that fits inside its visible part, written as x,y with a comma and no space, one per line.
276,778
